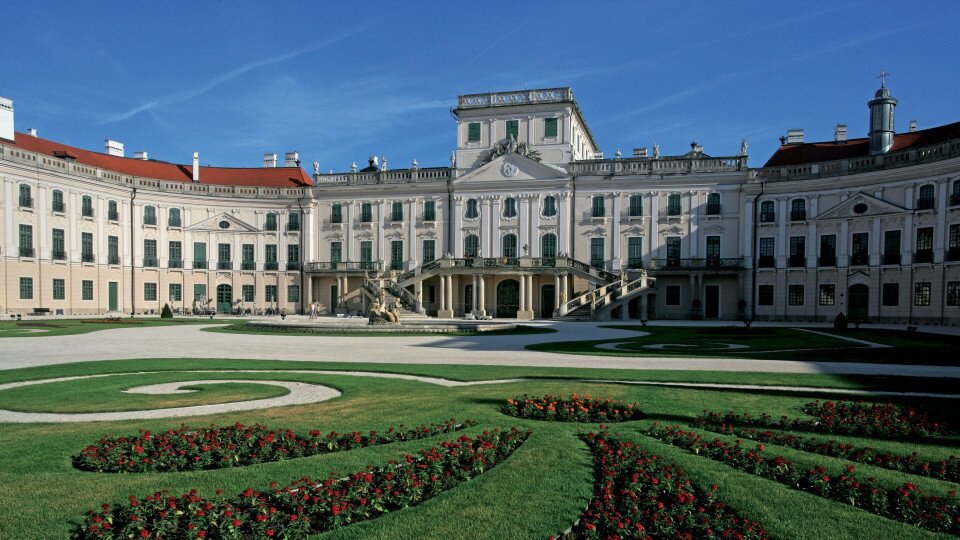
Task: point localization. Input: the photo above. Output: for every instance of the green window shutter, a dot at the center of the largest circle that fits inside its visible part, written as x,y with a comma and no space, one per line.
596,252
636,205
199,251
86,243
248,293
549,127
513,129
429,211
223,252
473,132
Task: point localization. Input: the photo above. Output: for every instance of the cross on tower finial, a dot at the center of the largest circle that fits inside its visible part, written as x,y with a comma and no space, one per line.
883,77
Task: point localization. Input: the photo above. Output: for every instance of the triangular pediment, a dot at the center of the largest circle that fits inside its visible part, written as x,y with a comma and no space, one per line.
223,223
513,168
861,205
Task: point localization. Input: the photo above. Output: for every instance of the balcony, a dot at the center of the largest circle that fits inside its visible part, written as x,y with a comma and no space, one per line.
271,265
396,265
199,264
59,207
292,227
859,259
293,265
798,215
923,256
58,255
766,261
891,258
248,265
634,264
26,251
86,212
827,260
767,217
953,253
151,263
224,265
174,222
87,257
270,226
925,204
113,259
340,266
709,264
713,209
796,261
955,199
113,216
175,263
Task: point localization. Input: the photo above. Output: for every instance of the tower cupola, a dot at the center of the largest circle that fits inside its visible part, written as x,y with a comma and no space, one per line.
882,107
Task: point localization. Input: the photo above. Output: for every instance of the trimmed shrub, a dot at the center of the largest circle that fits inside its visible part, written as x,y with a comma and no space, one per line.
840,323
166,312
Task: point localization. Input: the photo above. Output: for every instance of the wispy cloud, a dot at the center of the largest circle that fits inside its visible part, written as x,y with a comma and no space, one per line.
232,74
492,45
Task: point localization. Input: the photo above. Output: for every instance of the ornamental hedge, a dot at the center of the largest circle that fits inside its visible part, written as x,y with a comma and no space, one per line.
576,408
906,503
217,447
304,507
638,495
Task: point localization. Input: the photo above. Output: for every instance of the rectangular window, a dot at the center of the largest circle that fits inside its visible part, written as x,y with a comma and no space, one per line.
396,255
199,254
673,205
113,250
26,288
336,252
473,132
636,205
890,294
713,250
59,289
149,215
271,253
366,251
953,293
765,295
509,245
795,295
635,252
767,246
248,252
223,252
798,250
270,293
921,293
293,221
429,250
548,246
293,253
828,250
200,292
149,253
828,295
26,201
175,250
396,211
336,213
150,292
549,127
513,129
86,289
293,293
891,247
248,293
598,206
597,256
673,251
58,205
57,250
924,252
366,213
271,222
429,211
953,240
86,207
86,247
176,292
860,254
26,240
673,295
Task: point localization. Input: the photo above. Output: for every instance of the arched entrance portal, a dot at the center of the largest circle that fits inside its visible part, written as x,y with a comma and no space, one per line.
508,298
858,302
224,298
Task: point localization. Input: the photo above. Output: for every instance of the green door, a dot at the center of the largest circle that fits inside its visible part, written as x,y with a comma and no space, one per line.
548,294
112,296
224,298
508,298
858,297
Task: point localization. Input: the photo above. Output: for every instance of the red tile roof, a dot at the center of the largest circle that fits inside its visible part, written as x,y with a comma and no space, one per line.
228,176
796,154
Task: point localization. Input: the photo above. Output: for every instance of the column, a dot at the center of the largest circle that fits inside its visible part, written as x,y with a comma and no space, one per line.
563,220
556,292
485,228
747,222
906,241
643,306
940,231
348,219
653,237
494,235
535,225
307,230
457,240
875,243
615,232
381,233
782,218
564,291
443,295
843,253
450,294
523,293
473,294
523,238
309,293
412,233
693,225
482,295
530,303
812,246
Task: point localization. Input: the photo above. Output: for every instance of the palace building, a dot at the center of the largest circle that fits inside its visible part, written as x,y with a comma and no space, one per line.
529,220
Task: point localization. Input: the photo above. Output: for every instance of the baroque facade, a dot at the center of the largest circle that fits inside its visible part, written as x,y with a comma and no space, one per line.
529,220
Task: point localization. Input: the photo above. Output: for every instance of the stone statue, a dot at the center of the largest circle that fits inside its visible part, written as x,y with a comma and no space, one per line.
378,314
316,167
453,159
743,147
656,151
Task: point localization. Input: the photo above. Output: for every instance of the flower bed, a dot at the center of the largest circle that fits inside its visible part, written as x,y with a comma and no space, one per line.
638,495
576,408
906,503
216,447
945,469
885,420
304,507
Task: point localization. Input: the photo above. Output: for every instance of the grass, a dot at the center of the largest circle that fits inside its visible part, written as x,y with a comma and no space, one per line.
538,491
242,328
767,343
66,327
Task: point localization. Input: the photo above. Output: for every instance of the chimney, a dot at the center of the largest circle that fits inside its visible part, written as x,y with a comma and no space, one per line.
113,148
794,136
913,126
32,132
6,119
291,159
640,152
141,155
840,133
269,160
196,166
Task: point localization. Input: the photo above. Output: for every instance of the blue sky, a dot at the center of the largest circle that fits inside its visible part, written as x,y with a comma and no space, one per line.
339,81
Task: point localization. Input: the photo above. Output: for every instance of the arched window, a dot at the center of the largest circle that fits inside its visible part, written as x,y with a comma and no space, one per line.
548,246
509,244
767,212
173,218
798,210
636,205
598,206
713,204
271,223
149,215
509,207
471,246
57,200
86,206
925,199
396,211
113,212
673,205
26,196
366,213
549,206
472,212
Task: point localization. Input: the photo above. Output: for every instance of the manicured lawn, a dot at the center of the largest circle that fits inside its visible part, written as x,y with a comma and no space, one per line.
39,327
537,492
242,328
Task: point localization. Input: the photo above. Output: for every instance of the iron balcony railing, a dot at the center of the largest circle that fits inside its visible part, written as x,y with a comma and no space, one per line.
293,265
149,220
322,266
271,265
26,202
173,222
113,259
797,261
859,259
925,204
923,256
87,257
59,207
113,216
26,251
58,255
224,265
199,264
150,263
891,258
175,263
709,263
86,211
953,254
766,261
828,260
248,265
